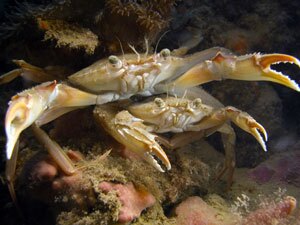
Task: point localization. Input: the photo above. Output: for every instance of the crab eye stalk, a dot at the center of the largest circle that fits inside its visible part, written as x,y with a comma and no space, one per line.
165,53
197,102
159,102
114,62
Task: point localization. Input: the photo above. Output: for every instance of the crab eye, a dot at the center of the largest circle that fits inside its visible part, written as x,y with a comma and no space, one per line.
165,53
159,102
197,102
115,62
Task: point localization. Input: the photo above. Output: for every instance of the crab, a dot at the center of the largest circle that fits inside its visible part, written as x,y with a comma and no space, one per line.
119,78
137,127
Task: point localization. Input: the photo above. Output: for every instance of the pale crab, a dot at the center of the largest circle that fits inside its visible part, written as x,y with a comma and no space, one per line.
119,78
136,126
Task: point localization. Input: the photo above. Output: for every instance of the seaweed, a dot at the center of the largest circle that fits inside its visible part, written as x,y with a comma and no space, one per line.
69,35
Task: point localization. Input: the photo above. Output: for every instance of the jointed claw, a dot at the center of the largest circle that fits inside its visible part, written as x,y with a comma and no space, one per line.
132,133
252,67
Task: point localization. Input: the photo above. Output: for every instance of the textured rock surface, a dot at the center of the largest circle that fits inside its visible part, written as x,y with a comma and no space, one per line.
133,200
281,168
195,211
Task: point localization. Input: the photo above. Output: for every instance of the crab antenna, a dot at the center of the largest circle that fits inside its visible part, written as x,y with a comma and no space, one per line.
167,92
121,46
176,97
156,46
135,51
184,94
147,47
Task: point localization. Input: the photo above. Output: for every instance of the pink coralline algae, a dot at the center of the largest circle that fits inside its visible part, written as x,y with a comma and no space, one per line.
273,213
262,174
133,200
195,211
284,168
44,181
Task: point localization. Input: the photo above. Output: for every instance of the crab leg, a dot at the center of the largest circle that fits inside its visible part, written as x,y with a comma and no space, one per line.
23,110
132,133
31,106
254,67
240,118
55,151
27,71
217,122
43,104
10,171
228,138
35,107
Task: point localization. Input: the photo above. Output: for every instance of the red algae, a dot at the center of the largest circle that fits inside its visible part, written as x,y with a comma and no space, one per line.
273,213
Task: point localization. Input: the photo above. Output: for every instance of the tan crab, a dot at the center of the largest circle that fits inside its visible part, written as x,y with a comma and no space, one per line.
136,126
118,78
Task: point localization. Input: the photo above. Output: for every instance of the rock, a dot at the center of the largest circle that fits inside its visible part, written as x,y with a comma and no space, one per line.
281,168
273,213
41,180
195,211
133,200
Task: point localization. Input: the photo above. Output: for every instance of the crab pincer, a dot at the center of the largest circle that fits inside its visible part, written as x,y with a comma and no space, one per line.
132,133
35,107
252,67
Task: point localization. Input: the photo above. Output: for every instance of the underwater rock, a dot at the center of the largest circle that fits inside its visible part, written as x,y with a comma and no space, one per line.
41,180
133,200
261,174
195,211
281,168
273,213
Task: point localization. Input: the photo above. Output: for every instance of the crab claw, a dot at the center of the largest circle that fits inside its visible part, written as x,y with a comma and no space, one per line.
253,67
258,67
141,141
248,124
24,109
132,133
41,105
